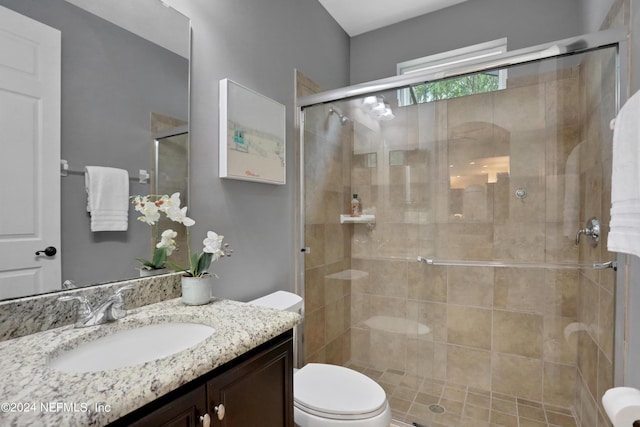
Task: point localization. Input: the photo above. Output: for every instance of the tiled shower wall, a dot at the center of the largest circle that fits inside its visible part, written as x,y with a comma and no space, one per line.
539,334
498,329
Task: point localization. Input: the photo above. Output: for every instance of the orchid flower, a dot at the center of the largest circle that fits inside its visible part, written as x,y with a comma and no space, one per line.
149,210
167,241
171,207
213,245
151,207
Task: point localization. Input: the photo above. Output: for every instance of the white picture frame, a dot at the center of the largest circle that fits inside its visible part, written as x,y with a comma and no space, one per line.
252,140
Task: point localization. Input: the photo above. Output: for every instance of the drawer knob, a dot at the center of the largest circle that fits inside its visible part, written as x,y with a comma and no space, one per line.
220,411
205,420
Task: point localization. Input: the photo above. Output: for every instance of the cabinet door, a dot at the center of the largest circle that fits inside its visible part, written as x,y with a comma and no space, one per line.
184,411
257,392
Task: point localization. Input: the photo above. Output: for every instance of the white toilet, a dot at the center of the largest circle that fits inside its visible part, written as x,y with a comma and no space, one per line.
330,395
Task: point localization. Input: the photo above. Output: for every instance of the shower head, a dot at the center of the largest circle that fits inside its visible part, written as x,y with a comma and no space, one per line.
343,119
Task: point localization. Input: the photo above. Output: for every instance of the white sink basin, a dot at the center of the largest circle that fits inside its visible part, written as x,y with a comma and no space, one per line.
131,347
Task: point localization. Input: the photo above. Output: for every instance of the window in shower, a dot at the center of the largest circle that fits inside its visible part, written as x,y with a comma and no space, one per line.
459,86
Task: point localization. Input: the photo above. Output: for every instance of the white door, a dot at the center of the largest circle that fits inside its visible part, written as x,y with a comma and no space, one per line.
30,70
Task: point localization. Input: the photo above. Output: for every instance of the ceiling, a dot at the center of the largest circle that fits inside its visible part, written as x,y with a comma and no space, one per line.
359,16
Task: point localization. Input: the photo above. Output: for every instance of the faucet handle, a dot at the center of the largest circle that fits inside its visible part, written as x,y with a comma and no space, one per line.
117,310
84,308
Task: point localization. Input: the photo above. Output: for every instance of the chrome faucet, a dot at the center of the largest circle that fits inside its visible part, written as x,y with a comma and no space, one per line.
109,310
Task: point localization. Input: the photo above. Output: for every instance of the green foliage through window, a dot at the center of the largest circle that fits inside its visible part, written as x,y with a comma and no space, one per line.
455,87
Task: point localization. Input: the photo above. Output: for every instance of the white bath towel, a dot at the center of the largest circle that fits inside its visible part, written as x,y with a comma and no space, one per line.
107,198
625,180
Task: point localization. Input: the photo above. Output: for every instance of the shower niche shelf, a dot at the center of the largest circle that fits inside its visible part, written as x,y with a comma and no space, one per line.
362,219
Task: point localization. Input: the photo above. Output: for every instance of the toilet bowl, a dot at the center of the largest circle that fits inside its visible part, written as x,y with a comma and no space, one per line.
327,395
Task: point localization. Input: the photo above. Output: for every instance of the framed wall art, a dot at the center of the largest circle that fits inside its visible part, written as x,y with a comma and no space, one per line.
252,135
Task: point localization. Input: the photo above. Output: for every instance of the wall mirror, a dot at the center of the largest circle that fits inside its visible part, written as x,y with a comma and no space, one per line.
125,80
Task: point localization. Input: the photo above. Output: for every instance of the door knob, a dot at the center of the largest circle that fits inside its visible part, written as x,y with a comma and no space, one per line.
48,251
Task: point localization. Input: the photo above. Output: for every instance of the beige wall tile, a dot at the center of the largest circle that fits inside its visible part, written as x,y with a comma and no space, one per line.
333,243
514,115
469,366
314,288
588,361
388,350
469,326
562,298
514,242
560,344
433,315
520,289
338,350
559,384
605,330
334,316
605,377
517,333
517,376
360,345
314,238
588,305
314,330
389,278
427,283
559,97
470,286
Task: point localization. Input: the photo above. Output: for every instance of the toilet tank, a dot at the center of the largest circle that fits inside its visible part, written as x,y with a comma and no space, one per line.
281,300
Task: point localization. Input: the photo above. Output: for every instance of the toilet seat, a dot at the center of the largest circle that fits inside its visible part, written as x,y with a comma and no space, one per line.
338,393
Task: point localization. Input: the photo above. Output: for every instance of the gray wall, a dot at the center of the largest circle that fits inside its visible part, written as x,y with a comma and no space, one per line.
374,55
111,82
593,14
257,44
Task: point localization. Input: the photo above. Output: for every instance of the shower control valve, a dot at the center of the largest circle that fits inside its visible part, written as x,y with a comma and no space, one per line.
591,230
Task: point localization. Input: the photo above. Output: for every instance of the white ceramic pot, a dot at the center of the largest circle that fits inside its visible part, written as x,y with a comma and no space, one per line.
196,290
146,273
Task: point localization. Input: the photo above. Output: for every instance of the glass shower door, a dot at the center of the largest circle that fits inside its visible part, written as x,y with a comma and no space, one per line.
501,322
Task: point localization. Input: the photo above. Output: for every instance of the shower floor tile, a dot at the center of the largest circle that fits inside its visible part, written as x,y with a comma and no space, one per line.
434,403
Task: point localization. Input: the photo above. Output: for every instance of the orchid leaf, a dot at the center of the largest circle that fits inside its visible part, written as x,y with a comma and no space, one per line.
159,257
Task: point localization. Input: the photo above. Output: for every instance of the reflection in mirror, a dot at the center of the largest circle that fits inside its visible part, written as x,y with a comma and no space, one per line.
114,84
171,175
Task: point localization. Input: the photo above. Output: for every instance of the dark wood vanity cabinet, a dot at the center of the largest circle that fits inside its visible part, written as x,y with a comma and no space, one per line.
255,389
184,411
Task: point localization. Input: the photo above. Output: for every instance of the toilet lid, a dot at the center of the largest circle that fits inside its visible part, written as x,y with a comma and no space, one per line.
332,391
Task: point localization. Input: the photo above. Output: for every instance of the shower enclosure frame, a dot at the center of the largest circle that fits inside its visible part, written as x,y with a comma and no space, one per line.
617,38
569,46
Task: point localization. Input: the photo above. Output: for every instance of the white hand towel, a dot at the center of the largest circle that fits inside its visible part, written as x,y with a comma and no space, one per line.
107,198
625,180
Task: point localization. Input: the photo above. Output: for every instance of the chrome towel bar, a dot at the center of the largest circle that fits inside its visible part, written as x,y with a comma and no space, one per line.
510,264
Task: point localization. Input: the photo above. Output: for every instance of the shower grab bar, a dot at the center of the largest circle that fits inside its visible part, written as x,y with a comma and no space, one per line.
460,263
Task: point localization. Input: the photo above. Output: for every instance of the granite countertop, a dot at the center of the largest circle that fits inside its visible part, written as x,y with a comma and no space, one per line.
34,394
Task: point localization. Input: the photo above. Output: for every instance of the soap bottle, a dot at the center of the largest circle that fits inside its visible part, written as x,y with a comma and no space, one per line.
355,206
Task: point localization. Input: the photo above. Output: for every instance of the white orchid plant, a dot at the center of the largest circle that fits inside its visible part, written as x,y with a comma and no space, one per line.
152,207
